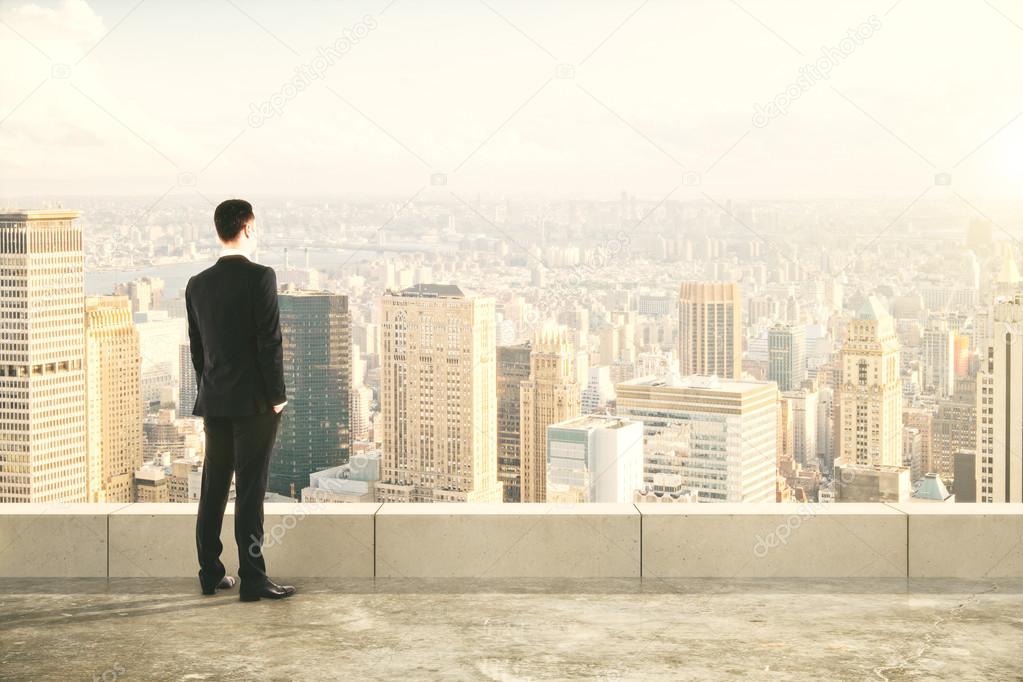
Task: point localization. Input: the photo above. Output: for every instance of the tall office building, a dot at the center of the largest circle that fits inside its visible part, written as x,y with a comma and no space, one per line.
315,429
826,427
999,460
733,427
551,394
43,431
362,397
512,369
920,418
599,391
954,431
937,351
786,356
710,329
188,386
800,413
113,398
160,337
438,397
870,394
595,458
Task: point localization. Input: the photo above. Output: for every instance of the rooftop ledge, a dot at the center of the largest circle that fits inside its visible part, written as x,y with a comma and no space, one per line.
660,541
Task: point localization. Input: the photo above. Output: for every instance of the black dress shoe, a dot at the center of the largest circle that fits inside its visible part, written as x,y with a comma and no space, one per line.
269,590
226,583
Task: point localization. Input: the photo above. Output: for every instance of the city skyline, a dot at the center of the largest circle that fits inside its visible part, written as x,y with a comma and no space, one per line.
886,373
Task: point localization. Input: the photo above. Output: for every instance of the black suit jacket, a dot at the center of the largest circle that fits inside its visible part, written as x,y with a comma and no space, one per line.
234,331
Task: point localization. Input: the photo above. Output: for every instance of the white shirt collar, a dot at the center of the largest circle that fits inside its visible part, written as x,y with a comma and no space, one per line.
233,252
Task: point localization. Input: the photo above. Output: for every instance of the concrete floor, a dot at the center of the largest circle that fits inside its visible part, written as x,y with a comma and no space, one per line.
514,630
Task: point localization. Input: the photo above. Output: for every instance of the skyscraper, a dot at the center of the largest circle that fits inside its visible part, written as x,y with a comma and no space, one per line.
114,398
786,356
315,429
938,355
438,397
188,387
801,413
43,431
999,459
160,337
512,369
921,419
551,394
599,390
870,394
362,397
710,329
954,431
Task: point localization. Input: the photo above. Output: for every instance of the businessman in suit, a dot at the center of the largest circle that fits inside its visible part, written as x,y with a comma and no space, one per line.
235,337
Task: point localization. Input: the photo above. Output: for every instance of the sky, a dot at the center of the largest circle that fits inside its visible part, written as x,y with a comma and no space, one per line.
501,98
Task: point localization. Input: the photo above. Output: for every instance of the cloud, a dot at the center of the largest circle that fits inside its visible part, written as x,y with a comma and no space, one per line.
63,32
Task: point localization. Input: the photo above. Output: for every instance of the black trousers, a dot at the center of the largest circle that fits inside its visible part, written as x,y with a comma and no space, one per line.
239,446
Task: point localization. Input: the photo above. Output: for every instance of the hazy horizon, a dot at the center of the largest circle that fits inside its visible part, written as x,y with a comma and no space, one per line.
517,100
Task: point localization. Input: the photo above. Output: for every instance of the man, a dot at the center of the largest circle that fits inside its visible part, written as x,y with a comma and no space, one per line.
235,337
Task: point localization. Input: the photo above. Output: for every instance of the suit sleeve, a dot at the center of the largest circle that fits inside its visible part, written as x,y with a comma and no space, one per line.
194,338
269,348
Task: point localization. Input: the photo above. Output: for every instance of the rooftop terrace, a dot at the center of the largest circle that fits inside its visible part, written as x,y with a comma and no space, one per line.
610,630
522,592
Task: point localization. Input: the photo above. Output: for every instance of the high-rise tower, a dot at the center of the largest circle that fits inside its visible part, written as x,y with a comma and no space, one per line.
710,329
43,432
786,356
438,397
188,386
114,398
999,461
870,394
551,394
513,368
315,430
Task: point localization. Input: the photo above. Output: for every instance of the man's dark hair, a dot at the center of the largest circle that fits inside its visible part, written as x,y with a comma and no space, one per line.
230,217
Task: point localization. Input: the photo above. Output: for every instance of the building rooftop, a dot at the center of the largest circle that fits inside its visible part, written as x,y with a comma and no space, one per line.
614,592
595,421
698,383
21,215
608,629
931,487
432,291
292,290
872,309
886,468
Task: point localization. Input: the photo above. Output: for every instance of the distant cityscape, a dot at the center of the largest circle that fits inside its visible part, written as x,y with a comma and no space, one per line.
622,351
